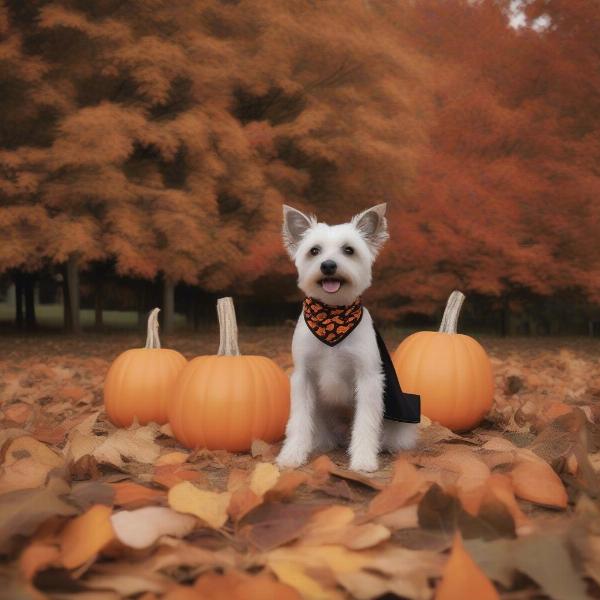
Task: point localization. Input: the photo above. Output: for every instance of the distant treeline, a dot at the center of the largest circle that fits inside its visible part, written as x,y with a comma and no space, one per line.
146,149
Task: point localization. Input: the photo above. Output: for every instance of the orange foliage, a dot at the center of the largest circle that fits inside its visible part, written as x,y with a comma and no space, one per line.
168,138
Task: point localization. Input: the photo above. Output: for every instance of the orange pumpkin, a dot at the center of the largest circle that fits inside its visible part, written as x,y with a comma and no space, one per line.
140,381
450,371
226,401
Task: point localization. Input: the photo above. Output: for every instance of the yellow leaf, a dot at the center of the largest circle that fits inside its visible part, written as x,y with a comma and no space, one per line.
171,458
294,575
263,478
211,507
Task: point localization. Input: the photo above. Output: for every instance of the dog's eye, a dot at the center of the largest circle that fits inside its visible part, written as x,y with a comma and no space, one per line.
348,250
315,250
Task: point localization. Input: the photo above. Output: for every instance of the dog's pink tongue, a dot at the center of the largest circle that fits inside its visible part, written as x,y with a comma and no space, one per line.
331,285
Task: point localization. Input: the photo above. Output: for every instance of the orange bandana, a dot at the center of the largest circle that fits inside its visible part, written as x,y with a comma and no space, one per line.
331,324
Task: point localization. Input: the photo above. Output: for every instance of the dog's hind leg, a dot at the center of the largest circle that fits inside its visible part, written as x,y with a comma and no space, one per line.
300,430
399,436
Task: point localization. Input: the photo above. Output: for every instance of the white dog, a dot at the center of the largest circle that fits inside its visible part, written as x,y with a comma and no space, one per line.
338,380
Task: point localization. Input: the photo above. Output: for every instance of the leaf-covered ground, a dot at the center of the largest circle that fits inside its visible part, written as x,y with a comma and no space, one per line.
90,511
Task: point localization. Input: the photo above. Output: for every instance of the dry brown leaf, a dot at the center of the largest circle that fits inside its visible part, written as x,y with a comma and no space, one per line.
84,536
500,487
242,501
209,506
24,510
135,443
471,470
407,484
261,449
286,485
272,524
322,465
26,465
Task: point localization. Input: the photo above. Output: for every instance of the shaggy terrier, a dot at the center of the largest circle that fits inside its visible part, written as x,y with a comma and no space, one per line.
343,382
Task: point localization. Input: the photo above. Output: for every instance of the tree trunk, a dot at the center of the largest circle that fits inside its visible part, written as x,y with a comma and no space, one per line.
74,294
66,300
98,304
168,306
29,285
19,300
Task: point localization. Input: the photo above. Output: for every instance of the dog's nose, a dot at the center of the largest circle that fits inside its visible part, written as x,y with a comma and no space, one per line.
328,267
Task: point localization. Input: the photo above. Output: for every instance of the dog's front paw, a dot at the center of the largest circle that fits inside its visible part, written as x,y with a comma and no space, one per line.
291,457
367,465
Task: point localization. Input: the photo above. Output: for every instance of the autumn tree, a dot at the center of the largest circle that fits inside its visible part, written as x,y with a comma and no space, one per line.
162,138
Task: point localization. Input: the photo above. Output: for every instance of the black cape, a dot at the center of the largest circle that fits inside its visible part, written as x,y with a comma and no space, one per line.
398,405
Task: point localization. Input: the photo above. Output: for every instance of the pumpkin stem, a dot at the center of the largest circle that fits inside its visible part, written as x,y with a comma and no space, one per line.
152,339
452,312
228,344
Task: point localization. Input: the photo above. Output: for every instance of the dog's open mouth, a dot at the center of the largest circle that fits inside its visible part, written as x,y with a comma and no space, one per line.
331,284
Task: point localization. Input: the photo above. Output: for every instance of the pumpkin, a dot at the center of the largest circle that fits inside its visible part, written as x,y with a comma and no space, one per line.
140,381
225,401
450,371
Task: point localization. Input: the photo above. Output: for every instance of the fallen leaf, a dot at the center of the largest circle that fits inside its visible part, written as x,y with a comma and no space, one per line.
84,536
272,524
26,465
261,449
296,576
135,443
404,518
142,527
407,484
171,458
133,495
172,474
236,585
441,511
36,557
542,557
462,577
537,482
209,506
286,485
242,501
24,510
263,478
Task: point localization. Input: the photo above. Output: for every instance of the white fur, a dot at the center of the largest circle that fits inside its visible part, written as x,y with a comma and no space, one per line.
338,389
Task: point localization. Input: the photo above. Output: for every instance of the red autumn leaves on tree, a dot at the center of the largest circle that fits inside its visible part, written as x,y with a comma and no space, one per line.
165,137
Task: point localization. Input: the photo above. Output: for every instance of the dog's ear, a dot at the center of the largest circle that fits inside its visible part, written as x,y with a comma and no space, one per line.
295,225
372,225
